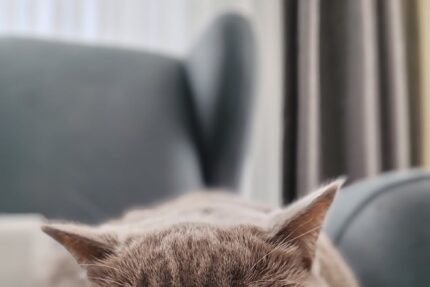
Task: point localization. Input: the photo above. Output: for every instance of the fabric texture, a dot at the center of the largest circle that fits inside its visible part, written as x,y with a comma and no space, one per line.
381,227
350,100
87,132
220,74
423,11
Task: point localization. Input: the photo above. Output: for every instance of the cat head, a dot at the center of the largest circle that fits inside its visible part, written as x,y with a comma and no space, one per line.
279,253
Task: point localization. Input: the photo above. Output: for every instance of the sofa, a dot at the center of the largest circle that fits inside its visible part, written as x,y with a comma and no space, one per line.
381,226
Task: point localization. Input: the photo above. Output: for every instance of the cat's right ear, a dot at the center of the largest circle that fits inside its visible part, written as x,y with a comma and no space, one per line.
86,244
300,223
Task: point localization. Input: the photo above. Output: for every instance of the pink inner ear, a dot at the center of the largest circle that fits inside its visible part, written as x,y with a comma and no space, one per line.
83,247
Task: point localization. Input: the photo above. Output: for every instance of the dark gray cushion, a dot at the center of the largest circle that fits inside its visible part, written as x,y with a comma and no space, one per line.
86,132
382,228
221,71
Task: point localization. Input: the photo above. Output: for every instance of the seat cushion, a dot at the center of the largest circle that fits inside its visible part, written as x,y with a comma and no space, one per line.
87,131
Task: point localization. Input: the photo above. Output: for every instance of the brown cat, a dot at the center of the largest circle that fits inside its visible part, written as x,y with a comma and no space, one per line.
211,239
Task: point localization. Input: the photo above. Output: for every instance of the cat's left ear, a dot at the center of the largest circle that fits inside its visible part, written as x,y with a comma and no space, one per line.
86,244
300,223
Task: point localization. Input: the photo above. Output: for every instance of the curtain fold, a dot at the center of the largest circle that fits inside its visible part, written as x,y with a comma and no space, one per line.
394,81
423,12
308,94
353,91
362,92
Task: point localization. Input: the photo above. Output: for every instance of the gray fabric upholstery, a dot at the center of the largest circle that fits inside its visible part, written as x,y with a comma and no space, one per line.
221,59
86,132
381,226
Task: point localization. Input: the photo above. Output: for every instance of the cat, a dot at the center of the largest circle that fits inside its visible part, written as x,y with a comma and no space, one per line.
209,239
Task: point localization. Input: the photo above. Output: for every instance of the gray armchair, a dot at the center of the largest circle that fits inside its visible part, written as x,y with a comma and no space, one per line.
86,132
382,227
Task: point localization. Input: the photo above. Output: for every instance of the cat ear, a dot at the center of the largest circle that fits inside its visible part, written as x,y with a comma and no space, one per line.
85,243
300,223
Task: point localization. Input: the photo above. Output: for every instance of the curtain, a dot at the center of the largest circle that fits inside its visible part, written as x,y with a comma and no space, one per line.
352,99
423,11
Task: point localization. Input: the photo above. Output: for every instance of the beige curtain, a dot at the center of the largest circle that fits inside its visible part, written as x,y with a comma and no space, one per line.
349,103
423,11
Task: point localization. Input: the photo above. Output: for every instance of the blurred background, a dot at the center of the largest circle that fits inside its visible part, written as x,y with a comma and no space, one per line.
105,105
171,27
